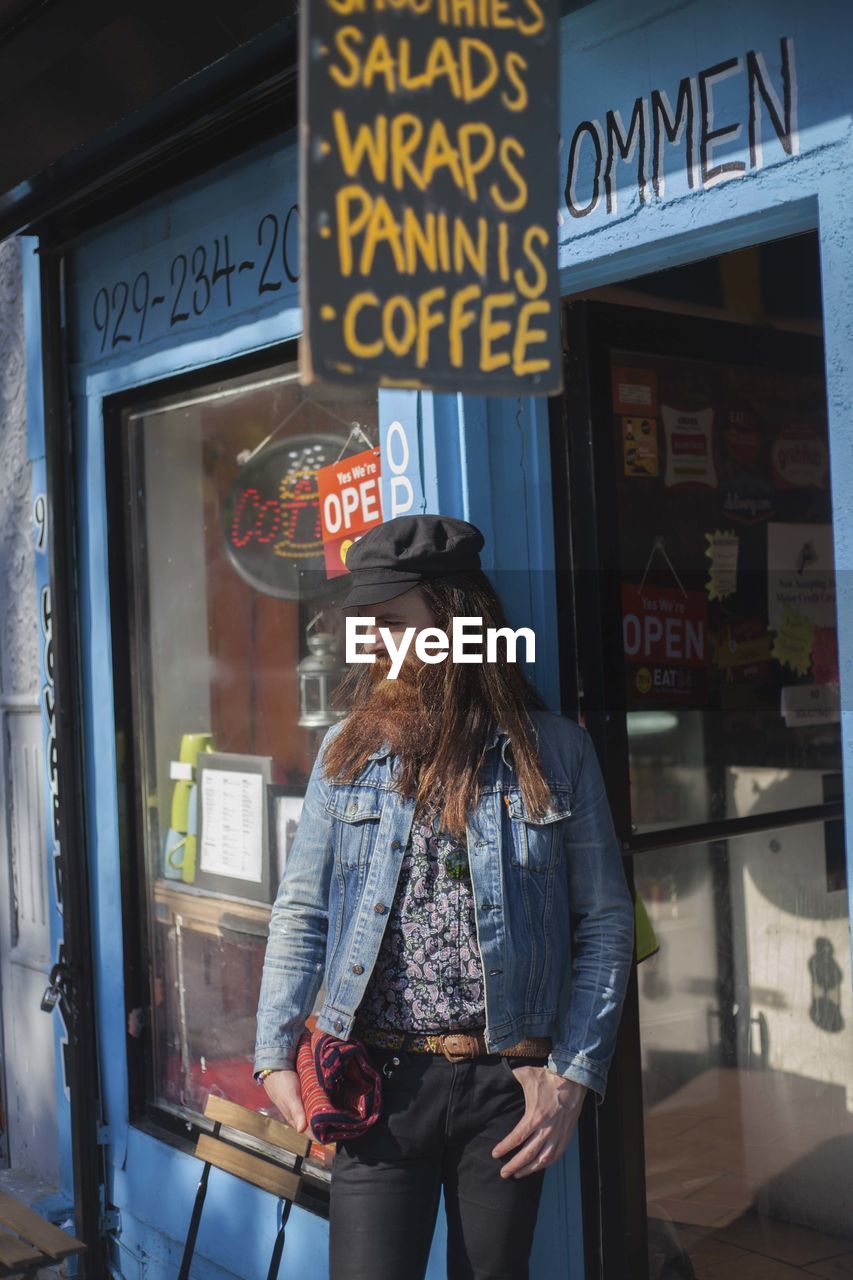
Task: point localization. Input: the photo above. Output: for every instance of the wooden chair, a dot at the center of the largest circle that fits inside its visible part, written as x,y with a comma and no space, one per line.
28,1241
262,1171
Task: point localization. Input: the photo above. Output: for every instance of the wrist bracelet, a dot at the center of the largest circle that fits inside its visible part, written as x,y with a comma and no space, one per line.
262,1075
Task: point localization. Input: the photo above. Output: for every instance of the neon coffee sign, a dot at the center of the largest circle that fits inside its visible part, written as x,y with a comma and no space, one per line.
271,517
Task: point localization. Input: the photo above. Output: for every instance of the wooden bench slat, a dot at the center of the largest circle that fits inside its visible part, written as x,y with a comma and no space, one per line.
17,1253
264,1127
281,1182
52,1240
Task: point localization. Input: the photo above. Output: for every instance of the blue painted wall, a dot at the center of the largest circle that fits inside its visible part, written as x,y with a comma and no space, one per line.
208,274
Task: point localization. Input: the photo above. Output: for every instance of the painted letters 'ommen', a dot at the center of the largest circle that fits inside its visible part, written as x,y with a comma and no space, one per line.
429,152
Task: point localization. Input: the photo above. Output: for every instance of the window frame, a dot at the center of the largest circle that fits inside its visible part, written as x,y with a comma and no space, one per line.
130,664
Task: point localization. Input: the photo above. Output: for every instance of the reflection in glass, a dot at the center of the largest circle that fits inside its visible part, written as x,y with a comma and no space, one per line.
236,649
747,1056
726,584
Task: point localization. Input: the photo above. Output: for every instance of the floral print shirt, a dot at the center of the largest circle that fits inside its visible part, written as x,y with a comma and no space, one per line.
428,975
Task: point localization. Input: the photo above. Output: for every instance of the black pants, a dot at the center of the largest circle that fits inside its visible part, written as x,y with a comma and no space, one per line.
439,1124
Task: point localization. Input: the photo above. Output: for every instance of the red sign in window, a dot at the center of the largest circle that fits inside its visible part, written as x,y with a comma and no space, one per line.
350,504
665,624
665,642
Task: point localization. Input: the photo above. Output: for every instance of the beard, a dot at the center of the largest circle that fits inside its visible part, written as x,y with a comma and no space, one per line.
404,715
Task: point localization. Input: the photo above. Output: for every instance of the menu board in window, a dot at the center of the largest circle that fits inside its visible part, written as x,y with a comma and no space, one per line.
233,840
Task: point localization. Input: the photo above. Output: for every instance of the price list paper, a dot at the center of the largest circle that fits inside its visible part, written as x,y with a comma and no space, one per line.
429,181
232,843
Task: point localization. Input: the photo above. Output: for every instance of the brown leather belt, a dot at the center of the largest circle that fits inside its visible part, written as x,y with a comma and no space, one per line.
457,1046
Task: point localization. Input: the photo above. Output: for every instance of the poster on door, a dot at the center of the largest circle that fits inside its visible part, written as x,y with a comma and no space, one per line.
800,573
800,459
689,447
665,645
640,446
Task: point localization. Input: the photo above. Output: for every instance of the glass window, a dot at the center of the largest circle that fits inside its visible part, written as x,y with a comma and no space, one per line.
234,652
726,584
746,1025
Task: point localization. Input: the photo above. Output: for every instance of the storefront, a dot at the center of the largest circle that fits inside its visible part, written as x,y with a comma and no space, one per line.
674,529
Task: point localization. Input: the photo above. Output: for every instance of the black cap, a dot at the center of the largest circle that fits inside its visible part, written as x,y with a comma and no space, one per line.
393,557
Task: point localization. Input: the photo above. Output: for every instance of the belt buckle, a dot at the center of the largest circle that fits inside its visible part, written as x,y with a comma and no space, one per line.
458,1055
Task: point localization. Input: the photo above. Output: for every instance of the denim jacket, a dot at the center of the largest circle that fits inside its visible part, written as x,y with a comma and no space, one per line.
554,917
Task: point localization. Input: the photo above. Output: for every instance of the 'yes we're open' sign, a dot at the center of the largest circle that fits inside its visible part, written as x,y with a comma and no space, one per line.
429,144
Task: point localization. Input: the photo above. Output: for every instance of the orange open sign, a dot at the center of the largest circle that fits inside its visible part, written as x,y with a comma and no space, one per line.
350,504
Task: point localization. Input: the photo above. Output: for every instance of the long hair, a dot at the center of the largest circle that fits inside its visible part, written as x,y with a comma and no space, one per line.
472,700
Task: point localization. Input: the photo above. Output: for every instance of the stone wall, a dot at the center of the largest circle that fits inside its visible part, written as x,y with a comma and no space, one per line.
18,615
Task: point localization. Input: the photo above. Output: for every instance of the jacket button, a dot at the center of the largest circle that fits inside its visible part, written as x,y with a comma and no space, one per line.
339,1026
380,908
395,844
357,968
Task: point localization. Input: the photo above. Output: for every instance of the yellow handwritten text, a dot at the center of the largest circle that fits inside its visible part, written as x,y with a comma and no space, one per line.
401,150
496,15
468,68
436,241
504,328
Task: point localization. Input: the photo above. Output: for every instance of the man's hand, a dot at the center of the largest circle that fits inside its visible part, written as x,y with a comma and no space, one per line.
552,1107
283,1090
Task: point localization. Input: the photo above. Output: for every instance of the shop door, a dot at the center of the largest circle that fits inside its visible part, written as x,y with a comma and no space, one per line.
704,642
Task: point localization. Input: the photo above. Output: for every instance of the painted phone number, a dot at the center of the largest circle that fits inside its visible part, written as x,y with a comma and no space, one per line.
122,312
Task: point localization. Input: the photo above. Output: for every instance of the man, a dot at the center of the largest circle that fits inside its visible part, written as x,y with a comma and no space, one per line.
457,882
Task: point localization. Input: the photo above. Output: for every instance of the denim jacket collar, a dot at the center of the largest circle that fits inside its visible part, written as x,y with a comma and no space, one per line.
384,751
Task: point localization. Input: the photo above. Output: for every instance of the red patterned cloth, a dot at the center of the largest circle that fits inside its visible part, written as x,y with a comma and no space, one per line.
341,1089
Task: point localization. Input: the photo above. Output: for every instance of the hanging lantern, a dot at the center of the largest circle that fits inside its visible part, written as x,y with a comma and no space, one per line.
319,673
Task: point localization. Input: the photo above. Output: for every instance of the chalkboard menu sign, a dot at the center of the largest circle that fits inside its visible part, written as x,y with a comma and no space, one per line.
429,152
271,516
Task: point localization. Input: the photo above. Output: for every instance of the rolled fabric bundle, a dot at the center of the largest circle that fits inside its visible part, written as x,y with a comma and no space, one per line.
341,1089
